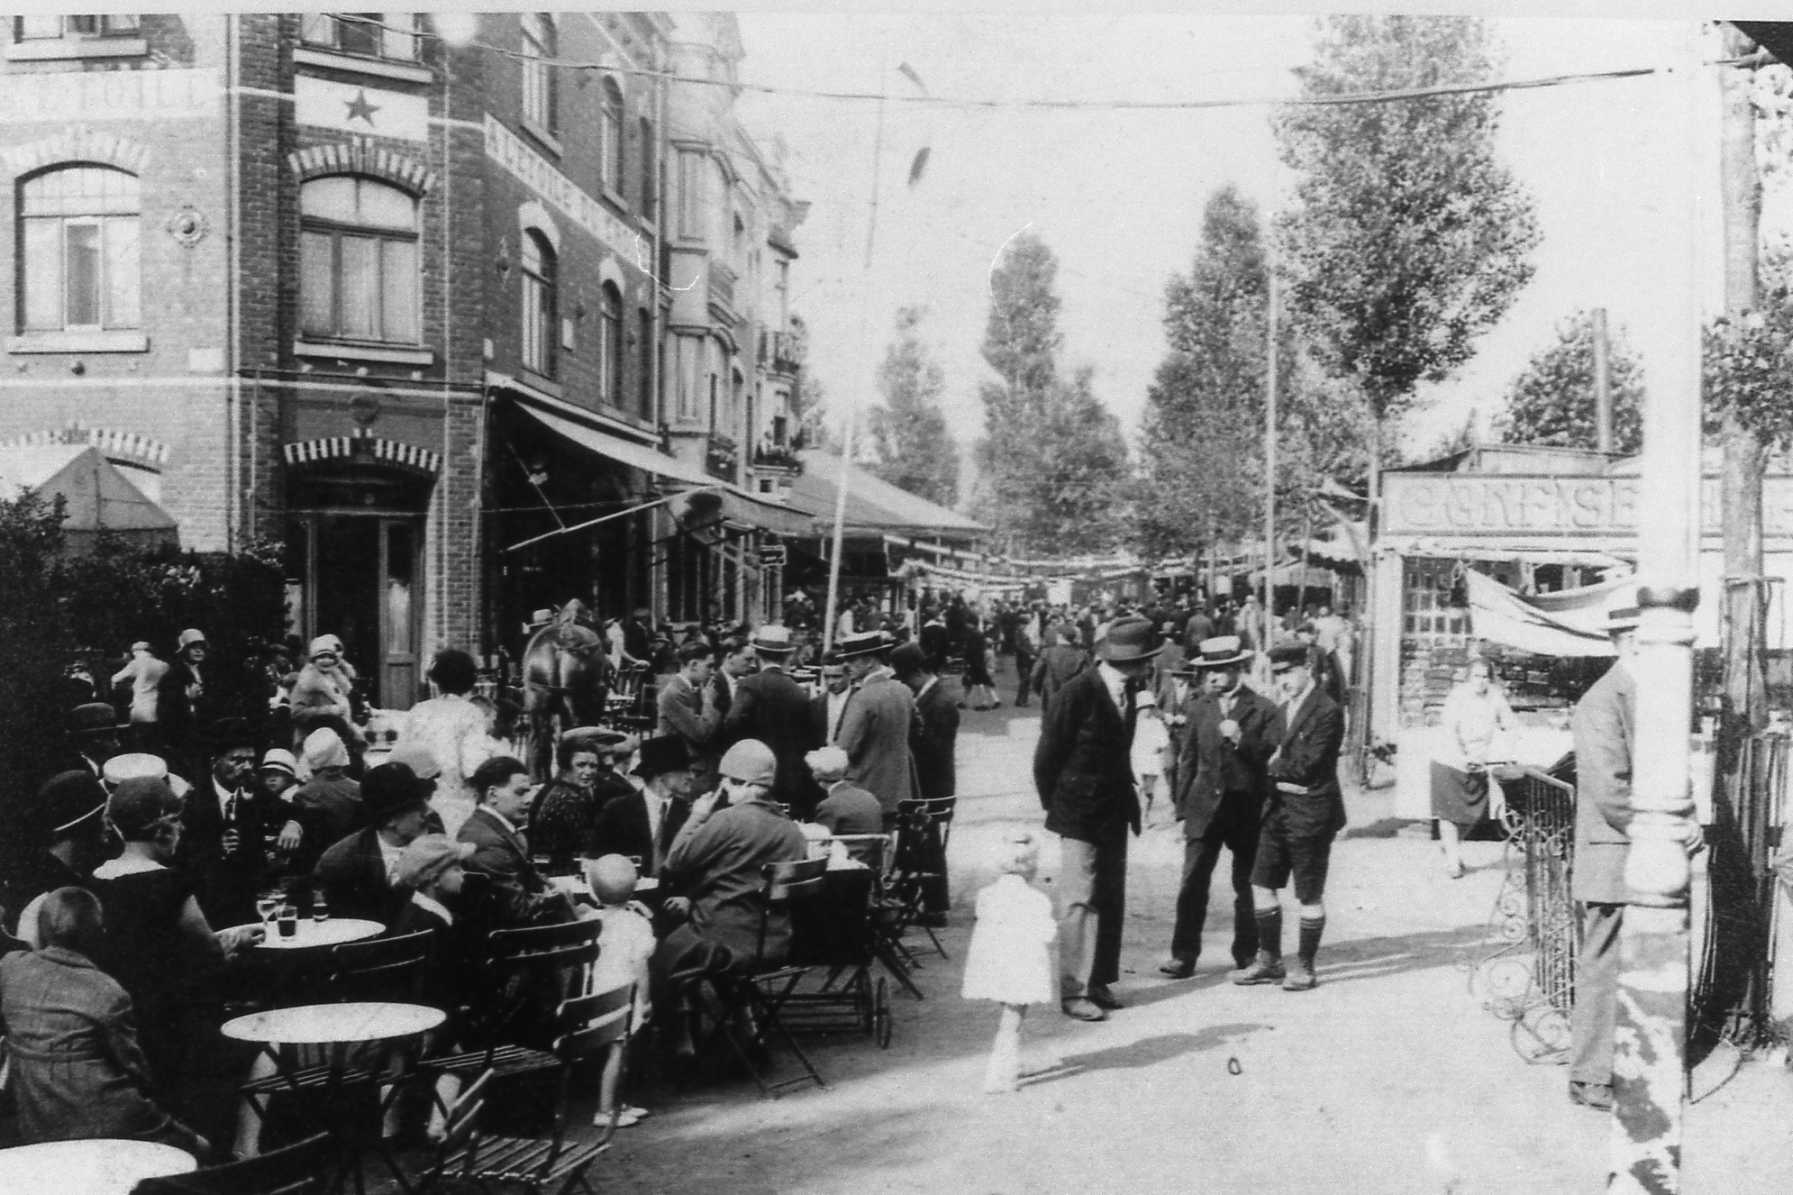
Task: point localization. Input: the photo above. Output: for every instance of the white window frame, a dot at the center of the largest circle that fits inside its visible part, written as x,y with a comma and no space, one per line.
337,230
99,221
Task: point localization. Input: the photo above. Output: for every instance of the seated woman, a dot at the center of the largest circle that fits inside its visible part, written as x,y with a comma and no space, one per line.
159,947
77,1068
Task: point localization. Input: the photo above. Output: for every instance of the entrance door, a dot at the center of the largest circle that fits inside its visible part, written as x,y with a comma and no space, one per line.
362,577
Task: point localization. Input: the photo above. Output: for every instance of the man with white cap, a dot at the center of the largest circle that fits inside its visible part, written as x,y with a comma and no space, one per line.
1604,730
773,708
715,862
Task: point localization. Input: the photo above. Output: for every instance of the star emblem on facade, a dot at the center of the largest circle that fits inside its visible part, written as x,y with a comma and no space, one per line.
359,107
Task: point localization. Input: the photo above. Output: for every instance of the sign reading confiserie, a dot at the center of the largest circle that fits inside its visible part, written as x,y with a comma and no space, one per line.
1577,507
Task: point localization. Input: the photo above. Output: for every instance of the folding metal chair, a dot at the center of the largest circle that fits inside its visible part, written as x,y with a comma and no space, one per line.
298,1169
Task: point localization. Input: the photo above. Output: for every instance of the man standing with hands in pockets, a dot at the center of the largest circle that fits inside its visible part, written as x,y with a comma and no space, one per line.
1083,770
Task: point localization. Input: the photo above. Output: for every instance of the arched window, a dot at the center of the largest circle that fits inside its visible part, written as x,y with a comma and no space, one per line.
540,94
644,361
78,249
612,132
611,304
540,310
358,267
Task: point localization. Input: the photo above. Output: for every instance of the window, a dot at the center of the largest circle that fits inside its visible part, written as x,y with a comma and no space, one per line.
646,130
692,172
540,312
612,146
365,34
644,381
78,238
539,98
611,311
46,28
358,270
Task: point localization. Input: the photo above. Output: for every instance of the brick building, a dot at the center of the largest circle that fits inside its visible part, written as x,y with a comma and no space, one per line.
403,305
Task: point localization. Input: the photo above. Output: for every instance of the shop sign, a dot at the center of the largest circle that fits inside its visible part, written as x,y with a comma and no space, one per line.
108,95
772,556
1508,505
539,175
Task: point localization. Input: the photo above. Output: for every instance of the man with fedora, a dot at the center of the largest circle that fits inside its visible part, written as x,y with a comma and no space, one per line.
66,841
1220,791
771,707
1083,770
94,737
359,873
1303,814
1604,731
229,826
643,824
874,724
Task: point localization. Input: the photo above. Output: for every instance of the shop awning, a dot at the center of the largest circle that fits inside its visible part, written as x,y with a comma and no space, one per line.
873,505
739,506
98,496
1569,622
625,452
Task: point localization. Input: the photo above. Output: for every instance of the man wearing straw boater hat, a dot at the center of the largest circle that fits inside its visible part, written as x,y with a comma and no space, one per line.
875,722
1604,728
1083,770
1221,789
773,708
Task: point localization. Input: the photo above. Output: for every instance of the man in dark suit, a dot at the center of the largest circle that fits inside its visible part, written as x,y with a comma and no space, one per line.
687,707
1083,770
1058,663
1220,792
643,824
1603,728
358,874
1304,813
233,833
773,708
933,741
520,895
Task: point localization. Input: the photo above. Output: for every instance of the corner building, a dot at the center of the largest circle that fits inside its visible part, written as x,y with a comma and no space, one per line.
398,303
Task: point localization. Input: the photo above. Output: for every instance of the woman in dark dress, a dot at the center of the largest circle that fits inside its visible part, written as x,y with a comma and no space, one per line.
980,686
161,950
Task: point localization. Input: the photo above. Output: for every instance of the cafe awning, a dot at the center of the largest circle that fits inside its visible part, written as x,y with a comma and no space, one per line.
98,496
625,452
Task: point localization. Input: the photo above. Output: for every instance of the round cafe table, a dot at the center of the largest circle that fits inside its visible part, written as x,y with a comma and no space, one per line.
101,1166
309,934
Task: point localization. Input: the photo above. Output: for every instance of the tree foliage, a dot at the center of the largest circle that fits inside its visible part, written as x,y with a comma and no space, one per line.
1552,401
912,448
1053,461
1747,359
1408,237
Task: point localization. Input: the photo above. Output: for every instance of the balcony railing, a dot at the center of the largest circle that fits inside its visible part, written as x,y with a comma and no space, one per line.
776,456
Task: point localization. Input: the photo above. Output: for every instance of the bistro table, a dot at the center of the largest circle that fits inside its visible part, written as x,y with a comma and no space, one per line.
339,1029
99,1166
310,934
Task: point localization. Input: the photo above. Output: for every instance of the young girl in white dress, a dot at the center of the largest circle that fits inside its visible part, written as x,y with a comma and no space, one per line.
1010,956
1150,741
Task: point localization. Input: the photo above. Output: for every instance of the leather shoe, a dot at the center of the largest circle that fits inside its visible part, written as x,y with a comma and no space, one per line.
1102,996
1260,971
1177,968
1597,1096
1299,979
1082,1010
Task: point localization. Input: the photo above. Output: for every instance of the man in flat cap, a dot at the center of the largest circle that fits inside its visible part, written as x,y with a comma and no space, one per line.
1304,813
1083,770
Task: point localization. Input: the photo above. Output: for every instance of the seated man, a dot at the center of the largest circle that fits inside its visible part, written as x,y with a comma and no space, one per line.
77,1069
359,874
847,809
715,862
520,895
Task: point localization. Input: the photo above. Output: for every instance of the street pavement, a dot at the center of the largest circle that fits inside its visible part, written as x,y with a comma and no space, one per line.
1389,1077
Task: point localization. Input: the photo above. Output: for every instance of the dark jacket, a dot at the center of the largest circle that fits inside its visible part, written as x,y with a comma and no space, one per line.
773,708
1209,766
352,873
1604,729
226,884
622,829
933,740
520,896
1082,766
1055,667
1308,759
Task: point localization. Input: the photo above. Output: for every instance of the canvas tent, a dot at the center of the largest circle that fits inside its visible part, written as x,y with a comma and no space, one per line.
99,496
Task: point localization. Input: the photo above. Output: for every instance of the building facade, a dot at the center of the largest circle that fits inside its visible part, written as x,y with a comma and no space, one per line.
404,304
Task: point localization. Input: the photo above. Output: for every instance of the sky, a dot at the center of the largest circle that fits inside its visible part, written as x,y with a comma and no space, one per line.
1118,195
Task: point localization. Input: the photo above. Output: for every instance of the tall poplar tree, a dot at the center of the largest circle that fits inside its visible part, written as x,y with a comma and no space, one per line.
912,447
1552,401
1407,238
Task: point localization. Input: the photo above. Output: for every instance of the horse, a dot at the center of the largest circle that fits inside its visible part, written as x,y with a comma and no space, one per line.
566,673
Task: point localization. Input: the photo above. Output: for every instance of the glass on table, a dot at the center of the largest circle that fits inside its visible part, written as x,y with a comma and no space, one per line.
267,905
288,919
320,907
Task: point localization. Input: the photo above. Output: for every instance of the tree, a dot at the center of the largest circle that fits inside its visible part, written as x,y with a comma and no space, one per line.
1053,461
1408,238
1202,429
1552,401
911,446
809,404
